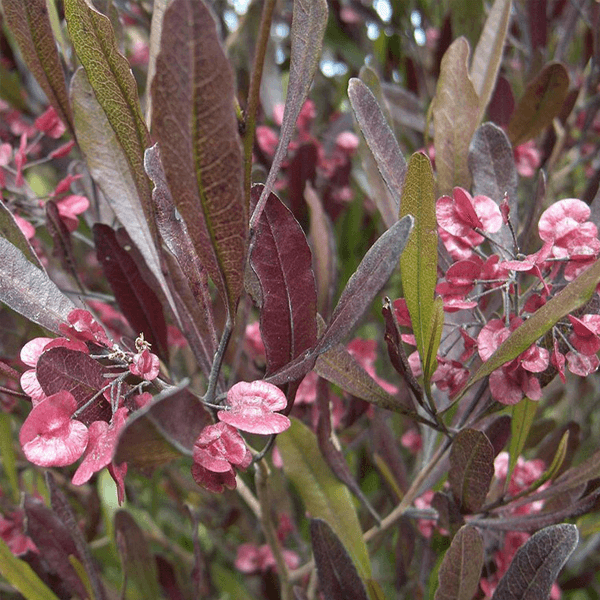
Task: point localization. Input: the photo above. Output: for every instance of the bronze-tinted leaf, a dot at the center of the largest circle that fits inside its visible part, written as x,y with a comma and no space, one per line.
30,24
158,434
11,232
455,105
282,262
471,468
542,101
136,558
29,291
460,571
107,162
537,564
338,578
109,74
193,119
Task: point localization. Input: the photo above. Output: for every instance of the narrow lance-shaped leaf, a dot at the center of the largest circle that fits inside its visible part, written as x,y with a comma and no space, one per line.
372,273
437,328
492,166
471,468
282,262
309,19
30,24
542,101
325,497
338,578
570,298
115,88
455,104
488,53
10,231
379,137
418,263
537,564
136,558
138,301
460,570
29,291
523,414
193,119
22,577
108,165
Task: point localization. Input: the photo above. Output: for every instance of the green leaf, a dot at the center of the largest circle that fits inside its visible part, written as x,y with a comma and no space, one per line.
115,88
460,571
22,577
437,327
523,414
542,101
194,121
418,263
466,17
557,462
570,298
488,53
8,456
324,496
229,583
30,24
454,108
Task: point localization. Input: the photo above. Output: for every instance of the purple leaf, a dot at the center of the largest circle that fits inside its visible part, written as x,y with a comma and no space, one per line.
471,468
338,578
158,433
194,122
54,542
537,563
460,570
137,300
29,291
137,561
309,19
368,280
282,262
29,22
381,141
542,101
502,103
75,372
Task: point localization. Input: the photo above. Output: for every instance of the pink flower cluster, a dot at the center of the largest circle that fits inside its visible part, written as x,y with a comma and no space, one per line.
220,449
61,429
468,227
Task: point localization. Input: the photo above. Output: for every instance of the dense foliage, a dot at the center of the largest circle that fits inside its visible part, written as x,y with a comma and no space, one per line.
300,300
